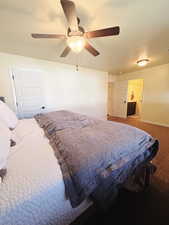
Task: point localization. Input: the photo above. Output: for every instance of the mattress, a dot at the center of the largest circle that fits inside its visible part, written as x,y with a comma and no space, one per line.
33,191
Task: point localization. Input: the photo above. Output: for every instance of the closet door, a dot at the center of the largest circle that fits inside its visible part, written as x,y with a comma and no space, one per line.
120,99
29,92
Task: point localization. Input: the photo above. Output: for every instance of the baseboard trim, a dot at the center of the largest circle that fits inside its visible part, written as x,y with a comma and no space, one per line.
159,124
125,117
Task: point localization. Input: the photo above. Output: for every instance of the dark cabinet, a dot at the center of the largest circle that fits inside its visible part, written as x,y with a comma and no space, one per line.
131,108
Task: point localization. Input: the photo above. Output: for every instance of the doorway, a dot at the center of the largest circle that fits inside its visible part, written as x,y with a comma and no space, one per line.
135,98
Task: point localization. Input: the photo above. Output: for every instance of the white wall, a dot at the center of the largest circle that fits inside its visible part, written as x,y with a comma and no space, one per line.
155,107
84,91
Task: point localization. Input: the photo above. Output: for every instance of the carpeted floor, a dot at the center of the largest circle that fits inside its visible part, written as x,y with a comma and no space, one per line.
152,206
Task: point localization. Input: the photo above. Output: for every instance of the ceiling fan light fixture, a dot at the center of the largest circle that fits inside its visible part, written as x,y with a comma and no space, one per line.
77,37
76,43
143,62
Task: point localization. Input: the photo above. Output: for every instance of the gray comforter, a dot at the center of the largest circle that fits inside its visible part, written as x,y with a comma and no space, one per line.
92,151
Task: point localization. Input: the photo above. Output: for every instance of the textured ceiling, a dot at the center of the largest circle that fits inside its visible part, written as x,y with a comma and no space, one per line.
144,31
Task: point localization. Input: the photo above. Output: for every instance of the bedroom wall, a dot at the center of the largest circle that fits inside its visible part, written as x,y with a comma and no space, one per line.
155,107
84,91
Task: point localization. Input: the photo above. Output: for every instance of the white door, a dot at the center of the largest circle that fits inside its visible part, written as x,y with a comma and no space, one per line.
120,99
29,92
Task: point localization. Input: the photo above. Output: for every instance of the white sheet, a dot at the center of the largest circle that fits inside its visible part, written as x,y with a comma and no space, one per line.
33,191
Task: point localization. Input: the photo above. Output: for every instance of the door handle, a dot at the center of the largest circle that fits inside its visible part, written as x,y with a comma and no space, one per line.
125,102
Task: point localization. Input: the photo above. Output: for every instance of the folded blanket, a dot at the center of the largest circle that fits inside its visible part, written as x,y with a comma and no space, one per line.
91,151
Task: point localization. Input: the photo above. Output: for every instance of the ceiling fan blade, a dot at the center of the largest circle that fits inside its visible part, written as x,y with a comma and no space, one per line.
103,32
92,50
70,13
58,36
65,52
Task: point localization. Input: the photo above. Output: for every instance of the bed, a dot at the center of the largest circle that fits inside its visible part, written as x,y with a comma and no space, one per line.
33,191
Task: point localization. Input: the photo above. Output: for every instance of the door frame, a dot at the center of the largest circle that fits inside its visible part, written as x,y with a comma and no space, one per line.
11,75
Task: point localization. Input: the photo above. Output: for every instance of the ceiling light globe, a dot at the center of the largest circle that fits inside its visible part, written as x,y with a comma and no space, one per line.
76,43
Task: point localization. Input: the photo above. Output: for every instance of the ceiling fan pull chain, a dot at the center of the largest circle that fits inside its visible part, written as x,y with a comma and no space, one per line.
77,62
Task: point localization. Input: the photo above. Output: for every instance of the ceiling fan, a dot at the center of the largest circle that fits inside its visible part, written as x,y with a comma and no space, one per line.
76,36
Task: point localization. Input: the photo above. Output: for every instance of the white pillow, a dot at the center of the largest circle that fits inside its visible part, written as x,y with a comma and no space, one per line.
5,135
8,116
